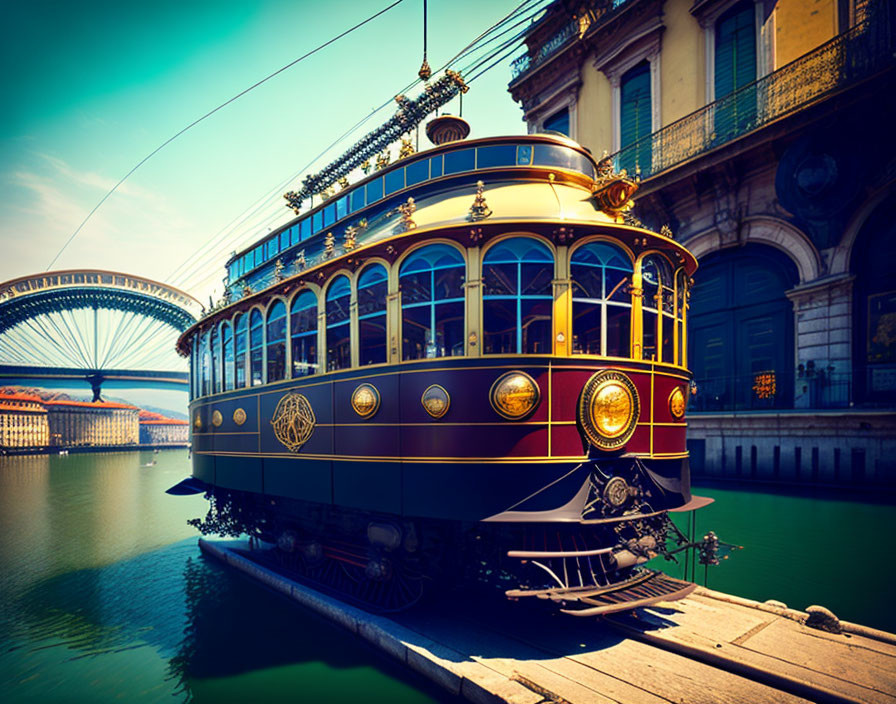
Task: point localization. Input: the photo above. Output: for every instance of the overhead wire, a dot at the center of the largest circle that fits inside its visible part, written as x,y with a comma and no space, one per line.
209,114
532,7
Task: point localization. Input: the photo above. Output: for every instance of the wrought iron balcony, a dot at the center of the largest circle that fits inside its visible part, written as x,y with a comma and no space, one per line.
846,59
576,28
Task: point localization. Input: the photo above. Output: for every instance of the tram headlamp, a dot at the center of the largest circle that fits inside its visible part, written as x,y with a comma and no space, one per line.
608,409
514,395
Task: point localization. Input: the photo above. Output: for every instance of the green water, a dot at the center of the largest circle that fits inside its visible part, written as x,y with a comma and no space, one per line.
827,548
104,594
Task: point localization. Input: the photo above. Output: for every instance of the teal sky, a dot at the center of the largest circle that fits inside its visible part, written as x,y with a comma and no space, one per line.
90,88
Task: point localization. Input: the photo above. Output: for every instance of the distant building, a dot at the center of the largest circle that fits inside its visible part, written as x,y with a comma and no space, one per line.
156,429
23,421
79,423
764,135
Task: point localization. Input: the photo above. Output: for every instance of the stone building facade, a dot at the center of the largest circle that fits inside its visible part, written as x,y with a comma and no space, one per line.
763,135
79,423
156,429
23,422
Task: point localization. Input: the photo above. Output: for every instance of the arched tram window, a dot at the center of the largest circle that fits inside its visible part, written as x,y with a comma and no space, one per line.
256,348
227,344
338,335
517,297
276,342
239,359
601,301
303,328
214,373
372,334
658,307
206,363
431,281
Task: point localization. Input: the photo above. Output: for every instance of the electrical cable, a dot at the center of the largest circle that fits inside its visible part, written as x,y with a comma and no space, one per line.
209,114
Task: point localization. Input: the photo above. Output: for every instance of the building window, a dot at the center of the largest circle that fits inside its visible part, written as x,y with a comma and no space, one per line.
239,359
635,118
740,333
303,327
338,335
227,344
735,67
558,122
432,303
517,297
215,371
276,342
372,288
601,302
256,348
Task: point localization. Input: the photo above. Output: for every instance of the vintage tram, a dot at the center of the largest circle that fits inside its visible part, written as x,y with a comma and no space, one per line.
470,365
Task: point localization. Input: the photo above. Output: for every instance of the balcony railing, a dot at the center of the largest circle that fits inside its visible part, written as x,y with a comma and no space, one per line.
857,54
576,28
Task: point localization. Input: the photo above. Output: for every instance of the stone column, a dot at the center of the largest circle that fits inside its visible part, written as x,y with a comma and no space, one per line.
823,341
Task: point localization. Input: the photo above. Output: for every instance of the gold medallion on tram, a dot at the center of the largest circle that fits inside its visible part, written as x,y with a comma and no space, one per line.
514,395
366,400
677,403
608,409
293,421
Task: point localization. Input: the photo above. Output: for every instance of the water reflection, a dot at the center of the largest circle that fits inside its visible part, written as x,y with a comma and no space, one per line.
91,608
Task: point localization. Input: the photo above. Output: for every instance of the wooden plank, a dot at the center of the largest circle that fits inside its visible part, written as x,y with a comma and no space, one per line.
664,631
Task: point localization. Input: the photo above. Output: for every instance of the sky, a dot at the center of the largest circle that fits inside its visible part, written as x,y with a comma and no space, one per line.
90,88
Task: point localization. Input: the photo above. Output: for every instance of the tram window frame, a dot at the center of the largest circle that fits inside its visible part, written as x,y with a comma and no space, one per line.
205,364
417,172
510,286
657,322
393,181
240,356
304,229
275,342
374,190
303,340
338,295
614,303
227,355
373,333
216,361
436,167
430,269
357,199
256,345
496,155
460,161
317,222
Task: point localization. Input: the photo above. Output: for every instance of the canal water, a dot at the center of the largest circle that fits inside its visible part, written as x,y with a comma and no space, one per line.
104,595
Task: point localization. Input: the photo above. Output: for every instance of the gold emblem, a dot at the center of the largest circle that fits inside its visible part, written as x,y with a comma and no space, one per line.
616,492
293,421
677,403
239,416
608,409
366,400
435,401
514,395
197,422
217,418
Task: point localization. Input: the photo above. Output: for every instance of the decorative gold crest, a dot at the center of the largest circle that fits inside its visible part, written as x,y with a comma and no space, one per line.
608,409
366,400
436,401
612,192
293,421
514,395
239,416
197,422
217,418
678,403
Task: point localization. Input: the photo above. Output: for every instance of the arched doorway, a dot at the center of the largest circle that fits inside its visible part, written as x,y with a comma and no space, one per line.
741,330
874,311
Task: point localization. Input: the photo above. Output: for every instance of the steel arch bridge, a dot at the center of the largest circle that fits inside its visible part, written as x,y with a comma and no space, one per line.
94,325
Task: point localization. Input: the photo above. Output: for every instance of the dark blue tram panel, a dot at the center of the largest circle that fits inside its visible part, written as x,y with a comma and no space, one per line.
514,419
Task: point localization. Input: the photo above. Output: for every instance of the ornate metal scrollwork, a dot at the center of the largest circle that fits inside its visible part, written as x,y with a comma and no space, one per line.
293,421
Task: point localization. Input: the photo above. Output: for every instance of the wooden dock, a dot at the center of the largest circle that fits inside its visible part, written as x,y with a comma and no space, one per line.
709,647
